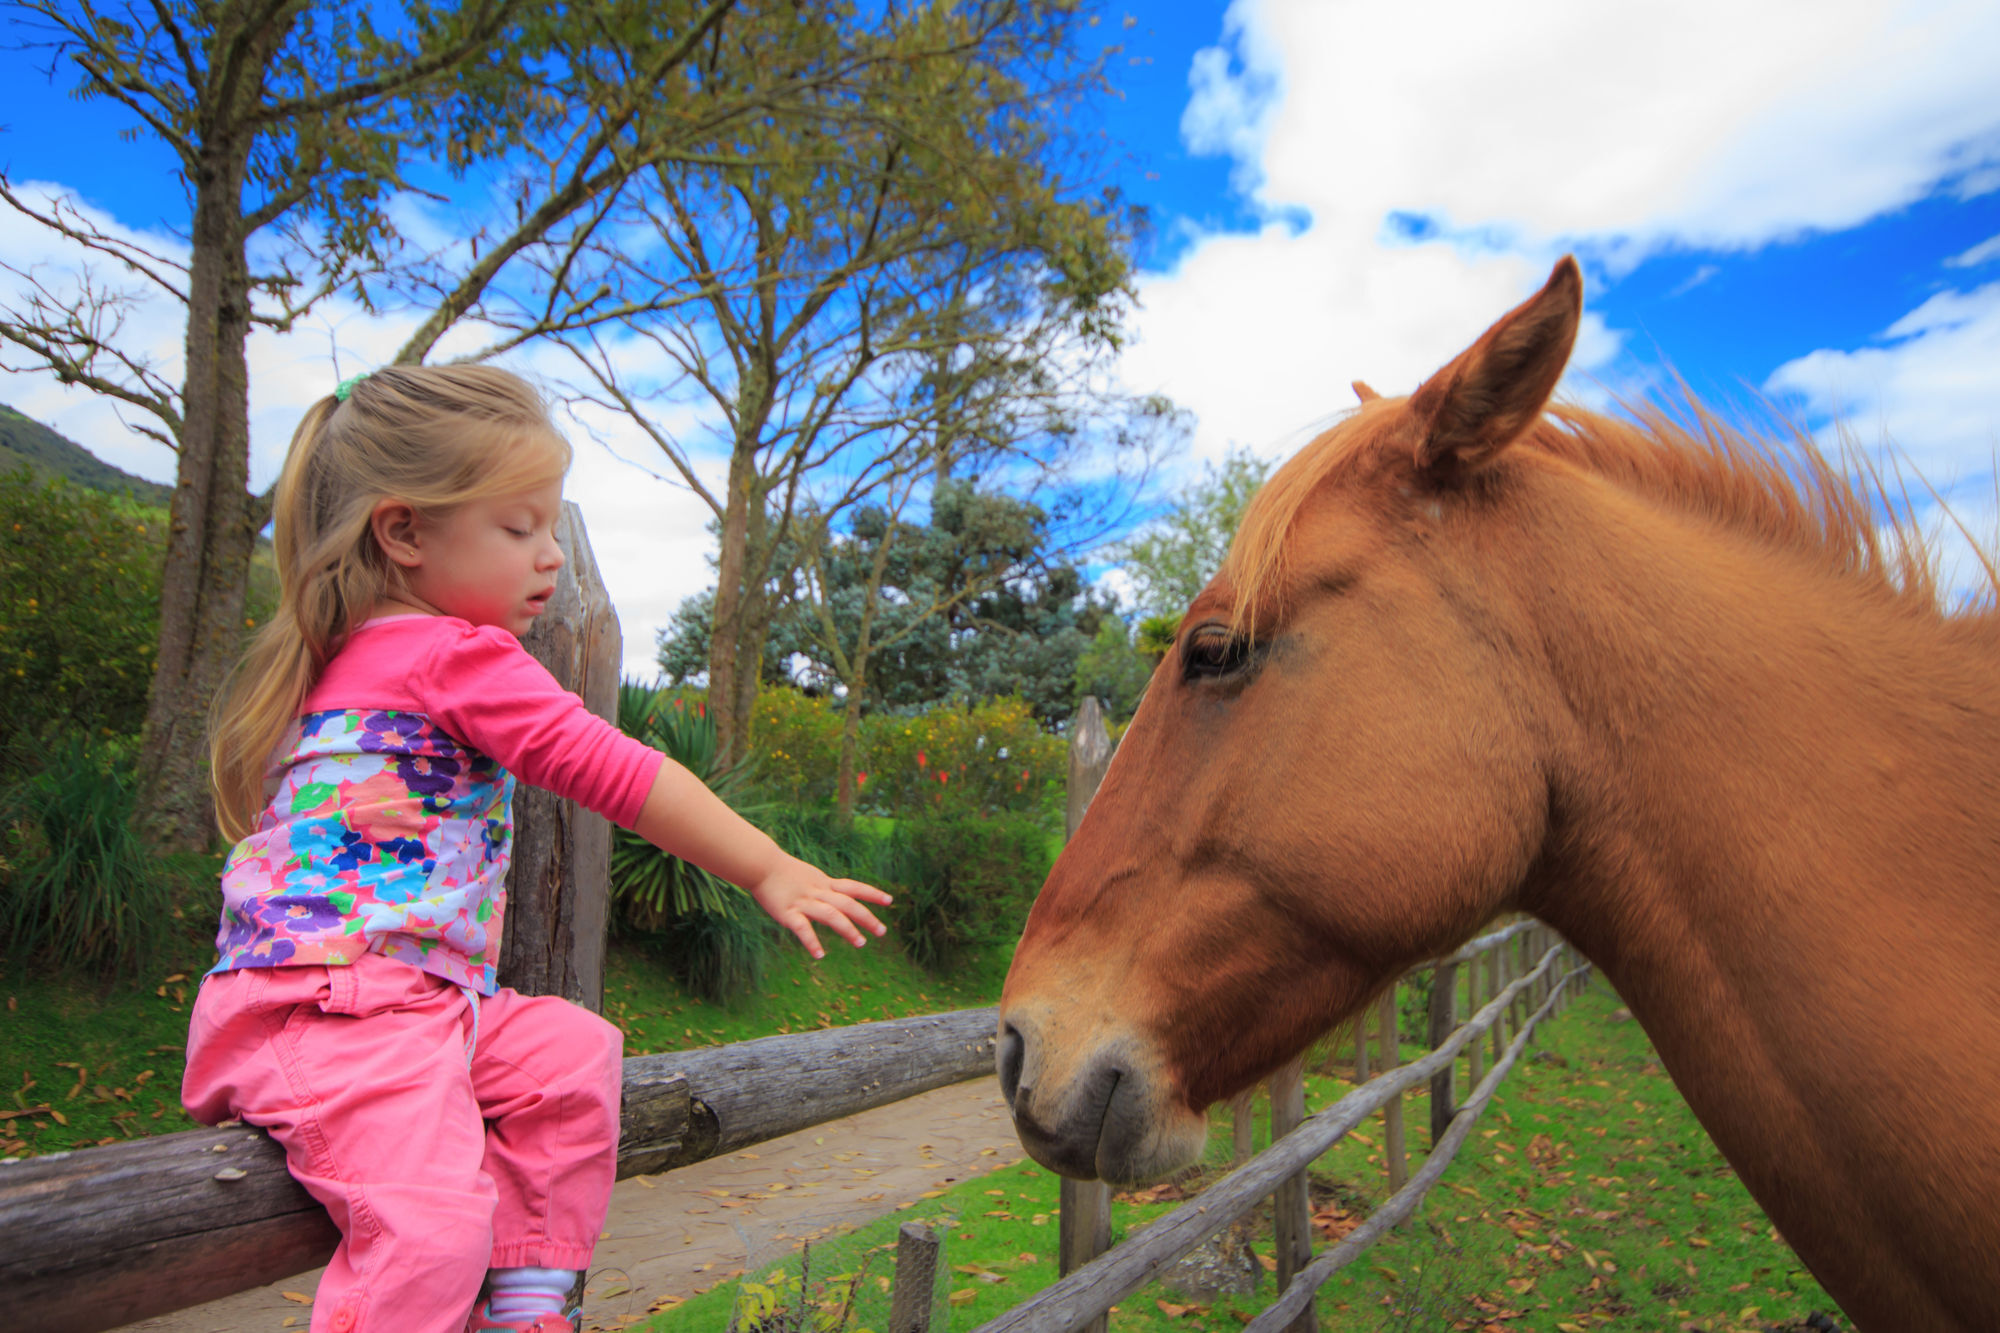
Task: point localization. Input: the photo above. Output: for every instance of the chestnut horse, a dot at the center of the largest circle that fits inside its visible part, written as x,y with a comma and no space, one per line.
1666,689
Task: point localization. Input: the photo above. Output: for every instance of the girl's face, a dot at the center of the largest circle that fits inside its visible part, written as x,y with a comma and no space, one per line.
490,562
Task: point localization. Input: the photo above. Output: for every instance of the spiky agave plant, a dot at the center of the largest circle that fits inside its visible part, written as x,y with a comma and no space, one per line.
709,934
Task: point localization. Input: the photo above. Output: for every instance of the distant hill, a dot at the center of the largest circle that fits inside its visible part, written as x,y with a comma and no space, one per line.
25,440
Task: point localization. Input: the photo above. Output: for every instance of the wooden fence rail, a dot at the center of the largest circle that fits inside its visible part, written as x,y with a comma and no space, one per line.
1086,1295
1297,1297
97,1238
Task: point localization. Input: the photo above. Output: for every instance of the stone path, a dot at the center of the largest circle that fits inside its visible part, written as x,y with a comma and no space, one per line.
678,1233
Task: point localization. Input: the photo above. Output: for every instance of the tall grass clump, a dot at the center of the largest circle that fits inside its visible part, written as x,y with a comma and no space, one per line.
709,935
79,889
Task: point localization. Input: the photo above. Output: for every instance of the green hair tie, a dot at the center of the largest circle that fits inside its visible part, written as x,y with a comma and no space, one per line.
345,388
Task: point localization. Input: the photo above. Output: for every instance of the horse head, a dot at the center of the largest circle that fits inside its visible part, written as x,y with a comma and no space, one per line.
1337,771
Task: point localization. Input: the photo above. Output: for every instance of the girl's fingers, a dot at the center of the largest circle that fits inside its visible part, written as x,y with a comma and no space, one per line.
854,888
855,911
803,929
830,916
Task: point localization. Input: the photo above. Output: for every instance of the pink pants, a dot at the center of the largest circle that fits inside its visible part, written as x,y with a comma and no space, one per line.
432,1171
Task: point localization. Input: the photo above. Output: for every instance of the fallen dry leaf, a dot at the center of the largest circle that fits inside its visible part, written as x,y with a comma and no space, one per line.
297,1296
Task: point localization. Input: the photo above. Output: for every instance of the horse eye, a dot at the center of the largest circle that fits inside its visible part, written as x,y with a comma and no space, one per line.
1213,651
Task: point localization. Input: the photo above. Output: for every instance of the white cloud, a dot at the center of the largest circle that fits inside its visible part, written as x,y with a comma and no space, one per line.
1986,250
1516,132
1926,391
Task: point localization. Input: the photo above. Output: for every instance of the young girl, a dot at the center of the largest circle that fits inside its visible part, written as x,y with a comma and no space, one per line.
364,755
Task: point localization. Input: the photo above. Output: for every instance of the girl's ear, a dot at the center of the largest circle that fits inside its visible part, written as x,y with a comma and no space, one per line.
394,524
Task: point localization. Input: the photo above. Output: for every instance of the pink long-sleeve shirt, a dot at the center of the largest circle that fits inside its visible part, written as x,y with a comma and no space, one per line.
391,813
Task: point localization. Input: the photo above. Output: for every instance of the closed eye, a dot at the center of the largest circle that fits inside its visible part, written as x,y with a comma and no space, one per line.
1212,651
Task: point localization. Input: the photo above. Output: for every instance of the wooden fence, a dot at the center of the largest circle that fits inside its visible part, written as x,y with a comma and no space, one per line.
1529,973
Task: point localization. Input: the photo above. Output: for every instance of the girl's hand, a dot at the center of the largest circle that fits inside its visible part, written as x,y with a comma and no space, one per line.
797,894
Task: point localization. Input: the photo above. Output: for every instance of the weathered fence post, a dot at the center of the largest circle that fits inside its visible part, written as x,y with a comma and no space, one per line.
1533,943
1361,1048
1475,1051
915,1281
1291,1202
1241,1123
559,882
1496,981
1084,1225
1444,1021
1392,1112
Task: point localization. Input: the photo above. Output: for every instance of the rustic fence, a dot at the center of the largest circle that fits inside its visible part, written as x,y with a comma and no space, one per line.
1533,975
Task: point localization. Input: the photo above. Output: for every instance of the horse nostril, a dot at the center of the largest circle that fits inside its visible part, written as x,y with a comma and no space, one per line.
1009,1057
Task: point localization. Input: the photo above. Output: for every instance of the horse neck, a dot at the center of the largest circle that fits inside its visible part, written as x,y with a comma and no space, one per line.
1773,825
1747,740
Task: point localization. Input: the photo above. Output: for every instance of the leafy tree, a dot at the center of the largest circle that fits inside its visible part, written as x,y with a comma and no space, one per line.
289,122
809,296
296,124
1172,559
1114,669
970,604
902,615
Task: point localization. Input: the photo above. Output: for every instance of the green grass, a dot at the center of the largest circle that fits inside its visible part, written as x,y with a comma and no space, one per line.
1587,1198
105,1054
849,985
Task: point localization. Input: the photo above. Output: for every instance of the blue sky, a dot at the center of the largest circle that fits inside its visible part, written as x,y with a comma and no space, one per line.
1768,197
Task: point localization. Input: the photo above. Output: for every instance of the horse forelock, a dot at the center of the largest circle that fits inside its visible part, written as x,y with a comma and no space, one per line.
1780,490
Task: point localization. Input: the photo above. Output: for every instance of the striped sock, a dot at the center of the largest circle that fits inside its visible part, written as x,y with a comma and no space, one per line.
522,1293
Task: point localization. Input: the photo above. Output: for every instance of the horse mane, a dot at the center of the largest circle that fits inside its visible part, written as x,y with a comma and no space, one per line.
1781,491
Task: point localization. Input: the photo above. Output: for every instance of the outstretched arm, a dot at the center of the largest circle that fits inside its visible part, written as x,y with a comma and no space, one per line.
683,817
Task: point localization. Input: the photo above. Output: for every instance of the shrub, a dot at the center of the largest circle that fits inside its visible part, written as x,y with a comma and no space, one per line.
797,743
78,887
79,605
988,758
963,882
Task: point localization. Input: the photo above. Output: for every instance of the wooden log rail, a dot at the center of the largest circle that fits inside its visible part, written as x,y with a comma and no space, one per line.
97,1238
1084,1296
1297,1297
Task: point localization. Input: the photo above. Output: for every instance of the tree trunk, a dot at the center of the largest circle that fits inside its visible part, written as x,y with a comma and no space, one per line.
850,742
726,629
210,534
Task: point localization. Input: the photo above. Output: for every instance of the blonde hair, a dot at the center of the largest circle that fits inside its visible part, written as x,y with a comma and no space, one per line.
436,437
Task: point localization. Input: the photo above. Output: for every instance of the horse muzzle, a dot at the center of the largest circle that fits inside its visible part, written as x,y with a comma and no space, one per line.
1106,1114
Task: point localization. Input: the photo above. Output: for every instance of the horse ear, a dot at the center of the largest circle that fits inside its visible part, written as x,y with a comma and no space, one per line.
1495,389
1364,393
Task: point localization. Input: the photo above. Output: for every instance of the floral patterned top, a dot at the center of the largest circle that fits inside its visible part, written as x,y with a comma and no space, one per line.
386,832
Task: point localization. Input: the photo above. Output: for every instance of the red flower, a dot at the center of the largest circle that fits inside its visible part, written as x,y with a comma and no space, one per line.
922,759
860,779
943,777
